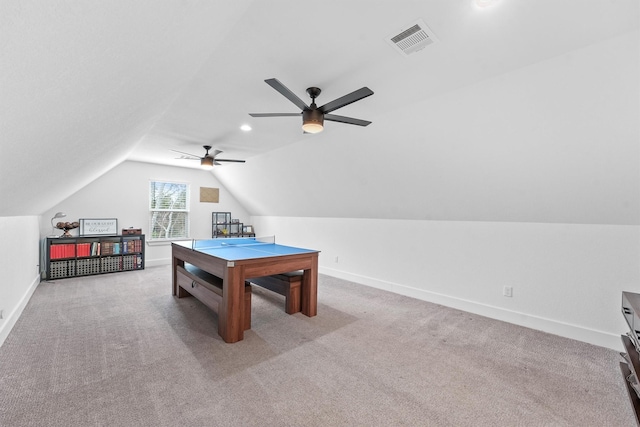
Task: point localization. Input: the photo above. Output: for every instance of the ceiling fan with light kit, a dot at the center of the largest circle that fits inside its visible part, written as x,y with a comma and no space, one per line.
313,117
209,159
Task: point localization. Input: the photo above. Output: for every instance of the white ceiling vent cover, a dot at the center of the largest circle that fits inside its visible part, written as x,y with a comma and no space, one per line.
413,38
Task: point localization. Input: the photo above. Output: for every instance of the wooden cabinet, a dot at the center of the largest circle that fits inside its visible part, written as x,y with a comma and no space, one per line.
83,256
631,341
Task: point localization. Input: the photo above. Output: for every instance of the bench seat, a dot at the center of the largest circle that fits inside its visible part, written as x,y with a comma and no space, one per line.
287,284
207,288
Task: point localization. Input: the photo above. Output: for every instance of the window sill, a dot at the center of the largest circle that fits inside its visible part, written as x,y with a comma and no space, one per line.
165,242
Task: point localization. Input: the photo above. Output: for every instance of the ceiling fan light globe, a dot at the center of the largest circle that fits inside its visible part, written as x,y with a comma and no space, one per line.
312,127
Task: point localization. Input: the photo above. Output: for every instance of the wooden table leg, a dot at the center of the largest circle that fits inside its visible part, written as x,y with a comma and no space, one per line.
231,313
174,281
310,289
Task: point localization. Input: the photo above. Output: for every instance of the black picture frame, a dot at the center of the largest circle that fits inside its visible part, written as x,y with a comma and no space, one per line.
98,227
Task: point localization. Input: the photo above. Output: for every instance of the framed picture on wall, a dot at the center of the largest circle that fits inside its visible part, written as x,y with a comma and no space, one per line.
98,226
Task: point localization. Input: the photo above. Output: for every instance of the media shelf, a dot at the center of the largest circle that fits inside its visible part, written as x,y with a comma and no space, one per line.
223,226
88,255
631,341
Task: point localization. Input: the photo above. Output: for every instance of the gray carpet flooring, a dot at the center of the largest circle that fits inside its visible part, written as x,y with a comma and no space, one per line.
120,350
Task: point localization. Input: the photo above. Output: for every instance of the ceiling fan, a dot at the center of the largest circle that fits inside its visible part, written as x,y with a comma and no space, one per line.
313,116
209,159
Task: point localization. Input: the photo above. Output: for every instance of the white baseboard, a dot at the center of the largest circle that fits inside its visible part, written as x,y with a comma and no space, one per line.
599,338
9,320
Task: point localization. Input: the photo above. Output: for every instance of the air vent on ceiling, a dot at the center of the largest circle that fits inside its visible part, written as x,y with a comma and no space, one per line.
413,38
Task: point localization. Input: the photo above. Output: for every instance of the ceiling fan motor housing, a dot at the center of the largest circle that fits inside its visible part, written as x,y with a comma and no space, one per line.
312,120
206,161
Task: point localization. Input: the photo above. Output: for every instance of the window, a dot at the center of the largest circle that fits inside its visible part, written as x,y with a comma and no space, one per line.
168,210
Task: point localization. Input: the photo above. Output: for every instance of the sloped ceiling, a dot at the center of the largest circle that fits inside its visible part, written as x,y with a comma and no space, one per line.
521,111
82,82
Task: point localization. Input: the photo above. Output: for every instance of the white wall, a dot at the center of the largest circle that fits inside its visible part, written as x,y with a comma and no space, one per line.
123,193
19,259
567,279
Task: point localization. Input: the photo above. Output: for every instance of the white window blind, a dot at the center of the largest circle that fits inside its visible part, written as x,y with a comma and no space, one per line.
168,210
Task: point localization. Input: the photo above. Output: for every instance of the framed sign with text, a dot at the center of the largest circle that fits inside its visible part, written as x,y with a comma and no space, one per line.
98,226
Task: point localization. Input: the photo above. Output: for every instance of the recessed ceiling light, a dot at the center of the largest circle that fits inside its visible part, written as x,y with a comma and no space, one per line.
245,128
485,3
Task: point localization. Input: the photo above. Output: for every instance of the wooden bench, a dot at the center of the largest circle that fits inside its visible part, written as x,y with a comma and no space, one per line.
287,284
207,288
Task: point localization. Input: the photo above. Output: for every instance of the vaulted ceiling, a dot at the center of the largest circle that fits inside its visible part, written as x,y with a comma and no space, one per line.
519,111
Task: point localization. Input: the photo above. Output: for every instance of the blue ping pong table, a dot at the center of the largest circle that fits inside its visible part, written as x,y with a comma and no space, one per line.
235,260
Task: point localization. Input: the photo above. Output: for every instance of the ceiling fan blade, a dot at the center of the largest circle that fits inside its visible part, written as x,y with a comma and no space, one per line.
215,153
275,83
229,160
354,96
187,154
274,114
348,120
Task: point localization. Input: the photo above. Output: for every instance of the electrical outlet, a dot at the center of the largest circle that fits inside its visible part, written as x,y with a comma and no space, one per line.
507,291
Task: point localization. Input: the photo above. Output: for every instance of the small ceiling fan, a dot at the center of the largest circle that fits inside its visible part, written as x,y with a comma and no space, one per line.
209,159
313,116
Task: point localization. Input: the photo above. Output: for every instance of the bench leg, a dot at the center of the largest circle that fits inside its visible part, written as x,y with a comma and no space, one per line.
181,293
293,299
247,307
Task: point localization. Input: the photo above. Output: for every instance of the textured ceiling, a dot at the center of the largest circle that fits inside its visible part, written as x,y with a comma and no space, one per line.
87,85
